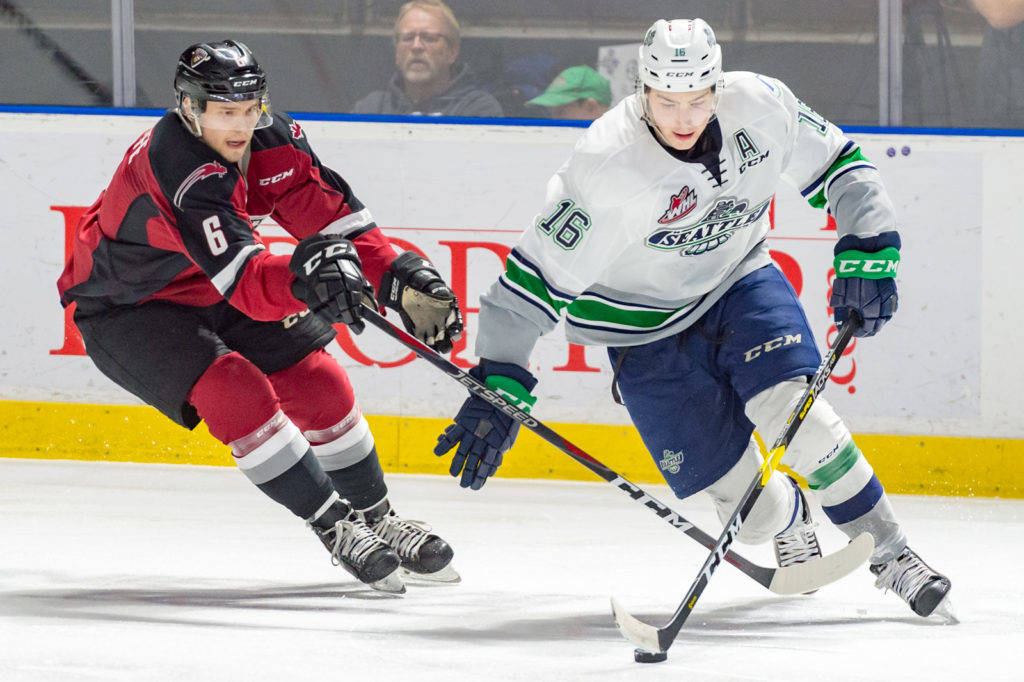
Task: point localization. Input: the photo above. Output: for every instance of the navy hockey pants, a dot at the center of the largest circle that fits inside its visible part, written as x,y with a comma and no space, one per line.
686,393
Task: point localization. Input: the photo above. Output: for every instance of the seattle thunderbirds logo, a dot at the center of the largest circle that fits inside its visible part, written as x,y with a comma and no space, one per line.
714,229
679,205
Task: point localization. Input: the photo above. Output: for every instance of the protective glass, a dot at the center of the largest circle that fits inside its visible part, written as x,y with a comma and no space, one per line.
243,116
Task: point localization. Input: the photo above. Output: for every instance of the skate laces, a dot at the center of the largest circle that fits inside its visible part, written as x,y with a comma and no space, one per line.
404,536
354,541
905,575
798,545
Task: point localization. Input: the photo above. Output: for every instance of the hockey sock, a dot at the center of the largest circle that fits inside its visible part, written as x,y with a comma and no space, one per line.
316,393
774,509
362,483
240,408
839,476
868,511
303,488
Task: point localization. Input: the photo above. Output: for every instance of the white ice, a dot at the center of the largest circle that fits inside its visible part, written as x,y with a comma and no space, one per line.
150,572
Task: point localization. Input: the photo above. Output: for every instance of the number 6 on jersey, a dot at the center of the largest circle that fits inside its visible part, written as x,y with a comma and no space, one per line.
214,235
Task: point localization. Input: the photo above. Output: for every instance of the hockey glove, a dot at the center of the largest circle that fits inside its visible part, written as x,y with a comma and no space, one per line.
482,432
414,288
329,279
865,282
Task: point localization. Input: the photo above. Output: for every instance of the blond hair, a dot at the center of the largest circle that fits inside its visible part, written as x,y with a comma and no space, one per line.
437,7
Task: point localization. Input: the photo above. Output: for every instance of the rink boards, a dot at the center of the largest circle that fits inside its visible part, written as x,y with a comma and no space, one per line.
933,399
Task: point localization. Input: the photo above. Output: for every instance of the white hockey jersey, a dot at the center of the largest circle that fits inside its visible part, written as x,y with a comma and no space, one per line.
635,244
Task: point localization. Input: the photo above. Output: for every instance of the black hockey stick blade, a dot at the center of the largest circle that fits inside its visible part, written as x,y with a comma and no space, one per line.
789,580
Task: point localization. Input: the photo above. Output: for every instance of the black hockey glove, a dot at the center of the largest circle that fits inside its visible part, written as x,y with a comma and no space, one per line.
329,279
429,311
865,282
482,431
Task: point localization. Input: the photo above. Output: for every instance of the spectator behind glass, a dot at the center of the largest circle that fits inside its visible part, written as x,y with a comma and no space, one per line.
578,93
1002,63
429,81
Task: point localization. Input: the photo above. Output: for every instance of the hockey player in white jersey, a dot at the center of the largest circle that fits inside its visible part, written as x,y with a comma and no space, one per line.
652,243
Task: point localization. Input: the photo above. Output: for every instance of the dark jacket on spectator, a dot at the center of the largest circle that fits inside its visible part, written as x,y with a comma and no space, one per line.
461,99
1002,82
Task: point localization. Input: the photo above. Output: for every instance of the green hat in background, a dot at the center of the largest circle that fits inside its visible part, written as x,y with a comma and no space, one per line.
576,82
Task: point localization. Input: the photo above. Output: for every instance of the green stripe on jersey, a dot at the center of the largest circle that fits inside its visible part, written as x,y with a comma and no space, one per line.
532,284
636,316
597,311
834,470
818,200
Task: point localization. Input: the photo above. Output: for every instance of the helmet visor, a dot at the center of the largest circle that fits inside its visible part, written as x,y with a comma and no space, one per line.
692,112
244,115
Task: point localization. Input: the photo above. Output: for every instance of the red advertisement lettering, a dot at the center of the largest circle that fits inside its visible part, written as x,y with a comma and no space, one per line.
73,344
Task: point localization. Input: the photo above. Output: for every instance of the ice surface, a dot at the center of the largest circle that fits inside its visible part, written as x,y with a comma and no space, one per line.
150,572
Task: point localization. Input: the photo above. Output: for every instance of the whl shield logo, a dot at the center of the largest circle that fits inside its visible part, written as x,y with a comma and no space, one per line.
679,205
714,229
207,170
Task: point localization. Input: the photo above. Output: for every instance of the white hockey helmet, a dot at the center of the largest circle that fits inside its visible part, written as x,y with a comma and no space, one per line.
679,56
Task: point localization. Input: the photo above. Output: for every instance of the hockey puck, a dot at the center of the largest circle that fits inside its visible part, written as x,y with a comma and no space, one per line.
641,656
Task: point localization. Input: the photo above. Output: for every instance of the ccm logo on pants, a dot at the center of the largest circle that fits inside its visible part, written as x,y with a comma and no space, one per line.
769,346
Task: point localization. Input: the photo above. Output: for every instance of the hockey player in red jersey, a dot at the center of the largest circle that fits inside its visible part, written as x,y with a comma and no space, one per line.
180,303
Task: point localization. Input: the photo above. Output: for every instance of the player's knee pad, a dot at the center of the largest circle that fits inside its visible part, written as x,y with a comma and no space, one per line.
774,508
822,434
233,397
316,393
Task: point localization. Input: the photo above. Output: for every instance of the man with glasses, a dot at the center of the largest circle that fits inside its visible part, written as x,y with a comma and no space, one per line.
653,243
429,80
180,303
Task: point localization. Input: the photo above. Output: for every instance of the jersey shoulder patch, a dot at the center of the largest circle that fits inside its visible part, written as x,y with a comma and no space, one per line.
186,169
283,132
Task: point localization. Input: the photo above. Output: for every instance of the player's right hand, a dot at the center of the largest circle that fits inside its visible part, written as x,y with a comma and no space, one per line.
329,279
482,432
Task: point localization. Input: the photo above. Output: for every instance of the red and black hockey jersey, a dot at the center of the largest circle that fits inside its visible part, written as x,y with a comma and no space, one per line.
177,223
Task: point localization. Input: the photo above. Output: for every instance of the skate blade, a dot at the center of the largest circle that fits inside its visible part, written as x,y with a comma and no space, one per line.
392,584
945,612
445,575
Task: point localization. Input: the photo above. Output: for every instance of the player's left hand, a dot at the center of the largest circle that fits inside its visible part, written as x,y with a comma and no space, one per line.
865,282
482,432
428,308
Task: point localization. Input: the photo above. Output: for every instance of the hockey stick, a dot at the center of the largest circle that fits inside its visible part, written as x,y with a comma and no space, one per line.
652,639
789,580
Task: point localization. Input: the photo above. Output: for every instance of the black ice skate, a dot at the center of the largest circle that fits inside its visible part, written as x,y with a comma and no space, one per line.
424,555
917,583
356,548
798,544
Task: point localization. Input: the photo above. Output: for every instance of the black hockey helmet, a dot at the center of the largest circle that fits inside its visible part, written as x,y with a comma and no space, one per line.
221,71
